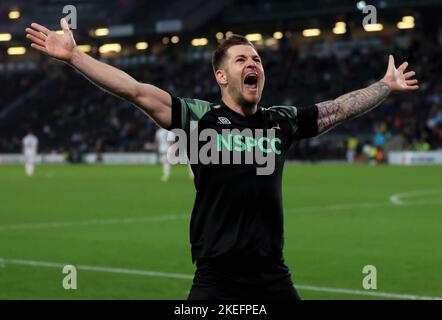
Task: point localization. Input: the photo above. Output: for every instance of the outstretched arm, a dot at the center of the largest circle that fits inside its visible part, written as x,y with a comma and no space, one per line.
356,103
152,100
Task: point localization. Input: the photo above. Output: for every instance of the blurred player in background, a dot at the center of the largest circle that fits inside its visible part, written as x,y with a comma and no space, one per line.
29,148
379,141
163,141
352,146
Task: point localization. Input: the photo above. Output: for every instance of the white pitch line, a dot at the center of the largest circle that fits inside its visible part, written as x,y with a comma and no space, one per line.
367,293
341,206
52,225
56,265
148,273
332,207
398,198
363,205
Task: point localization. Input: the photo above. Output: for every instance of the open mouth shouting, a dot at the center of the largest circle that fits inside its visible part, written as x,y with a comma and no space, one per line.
251,82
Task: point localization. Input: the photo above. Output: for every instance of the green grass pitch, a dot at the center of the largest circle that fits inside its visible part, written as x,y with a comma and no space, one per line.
337,220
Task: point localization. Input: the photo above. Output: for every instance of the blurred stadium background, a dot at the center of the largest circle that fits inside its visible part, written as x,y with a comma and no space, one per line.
338,218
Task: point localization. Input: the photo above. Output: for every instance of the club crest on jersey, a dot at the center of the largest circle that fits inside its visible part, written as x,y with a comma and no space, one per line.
224,120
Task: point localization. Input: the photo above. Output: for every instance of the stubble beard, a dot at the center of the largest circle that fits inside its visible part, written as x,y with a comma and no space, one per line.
237,96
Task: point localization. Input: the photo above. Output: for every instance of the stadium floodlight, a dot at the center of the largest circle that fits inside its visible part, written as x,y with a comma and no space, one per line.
85,48
14,14
340,28
229,34
278,35
199,42
175,39
219,35
406,23
165,40
314,32
374,27
141,45
16,51
270,42
5,37
254,37
102,32
110,47
340,24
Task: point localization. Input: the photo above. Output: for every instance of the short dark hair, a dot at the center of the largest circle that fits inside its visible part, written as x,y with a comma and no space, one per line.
221,52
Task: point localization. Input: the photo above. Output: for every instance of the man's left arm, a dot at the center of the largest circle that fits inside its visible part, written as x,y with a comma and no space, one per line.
356,103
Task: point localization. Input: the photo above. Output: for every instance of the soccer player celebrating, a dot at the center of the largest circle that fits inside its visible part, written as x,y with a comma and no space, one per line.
236,229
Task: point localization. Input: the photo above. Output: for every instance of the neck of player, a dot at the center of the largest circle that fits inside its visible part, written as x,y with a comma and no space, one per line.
241,108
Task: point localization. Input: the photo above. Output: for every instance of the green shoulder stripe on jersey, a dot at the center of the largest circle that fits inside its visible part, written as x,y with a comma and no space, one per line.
193,110
289,112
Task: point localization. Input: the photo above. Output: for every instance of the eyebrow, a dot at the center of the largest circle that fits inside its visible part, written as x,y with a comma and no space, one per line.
244,56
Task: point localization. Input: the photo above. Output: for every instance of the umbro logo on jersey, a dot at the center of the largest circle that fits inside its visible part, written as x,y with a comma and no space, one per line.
224,120
276,127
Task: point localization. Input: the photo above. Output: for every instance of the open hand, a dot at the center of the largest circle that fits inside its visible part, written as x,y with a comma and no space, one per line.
397,80
59,46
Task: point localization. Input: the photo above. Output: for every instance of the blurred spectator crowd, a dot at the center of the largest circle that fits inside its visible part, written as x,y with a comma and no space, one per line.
70,115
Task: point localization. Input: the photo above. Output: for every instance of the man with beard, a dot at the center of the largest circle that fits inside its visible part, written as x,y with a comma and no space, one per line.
236,228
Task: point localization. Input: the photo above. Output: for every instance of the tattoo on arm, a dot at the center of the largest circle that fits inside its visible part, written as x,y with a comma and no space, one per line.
350,105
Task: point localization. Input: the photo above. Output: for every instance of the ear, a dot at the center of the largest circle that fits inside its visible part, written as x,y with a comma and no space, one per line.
221,77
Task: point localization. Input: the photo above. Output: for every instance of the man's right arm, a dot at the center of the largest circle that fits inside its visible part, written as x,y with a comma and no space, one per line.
152,100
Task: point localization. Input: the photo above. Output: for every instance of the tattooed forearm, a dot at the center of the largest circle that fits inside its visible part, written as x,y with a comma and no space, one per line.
350,105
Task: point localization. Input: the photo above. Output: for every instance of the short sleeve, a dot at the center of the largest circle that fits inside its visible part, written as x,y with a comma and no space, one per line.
185,110
304,120
307,122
